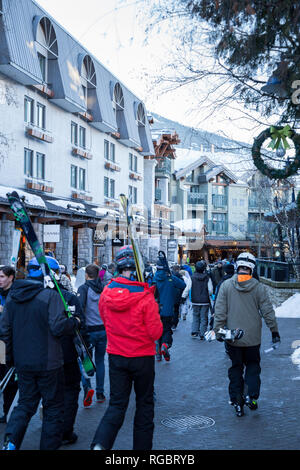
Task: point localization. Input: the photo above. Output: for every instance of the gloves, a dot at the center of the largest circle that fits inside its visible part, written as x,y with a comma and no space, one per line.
275,337
219,337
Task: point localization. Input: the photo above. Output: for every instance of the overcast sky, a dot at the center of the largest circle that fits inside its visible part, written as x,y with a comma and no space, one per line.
116,38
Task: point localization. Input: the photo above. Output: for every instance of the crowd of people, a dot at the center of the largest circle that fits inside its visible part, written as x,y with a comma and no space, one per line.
133,323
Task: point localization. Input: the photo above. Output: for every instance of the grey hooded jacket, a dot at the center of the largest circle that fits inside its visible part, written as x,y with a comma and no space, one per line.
243,305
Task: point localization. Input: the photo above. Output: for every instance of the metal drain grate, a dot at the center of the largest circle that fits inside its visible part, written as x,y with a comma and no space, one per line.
184,423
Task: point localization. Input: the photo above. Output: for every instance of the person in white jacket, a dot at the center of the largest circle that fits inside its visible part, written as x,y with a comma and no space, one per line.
185,294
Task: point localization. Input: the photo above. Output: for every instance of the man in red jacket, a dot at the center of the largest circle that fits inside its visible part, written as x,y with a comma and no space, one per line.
132,323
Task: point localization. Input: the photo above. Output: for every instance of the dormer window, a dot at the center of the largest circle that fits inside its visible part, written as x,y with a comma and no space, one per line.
88,80
46,45
140,115
118,99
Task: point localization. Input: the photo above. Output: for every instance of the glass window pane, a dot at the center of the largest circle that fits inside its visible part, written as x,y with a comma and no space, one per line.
28,110
112,189
82,179
112,152
43,66
105,186
106,149
74,133
82,137
28,162
73,176
41,114
40,166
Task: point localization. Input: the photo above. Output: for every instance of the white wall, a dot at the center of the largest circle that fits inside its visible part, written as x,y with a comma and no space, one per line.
58,154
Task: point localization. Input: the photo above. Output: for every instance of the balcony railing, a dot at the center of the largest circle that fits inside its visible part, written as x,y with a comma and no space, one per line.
219,227
164,166
80,152
219,201
38,133
39,184
81,195
157,194
197,198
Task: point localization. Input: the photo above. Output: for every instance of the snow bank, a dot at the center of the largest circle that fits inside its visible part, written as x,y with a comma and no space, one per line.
30,199
290,308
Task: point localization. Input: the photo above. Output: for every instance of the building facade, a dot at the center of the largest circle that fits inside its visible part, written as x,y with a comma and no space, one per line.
72,138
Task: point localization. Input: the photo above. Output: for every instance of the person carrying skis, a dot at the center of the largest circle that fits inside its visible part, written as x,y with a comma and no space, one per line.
89,294
32,324
130,315
166,291
7,277
185,294
178,297
241,303
200,300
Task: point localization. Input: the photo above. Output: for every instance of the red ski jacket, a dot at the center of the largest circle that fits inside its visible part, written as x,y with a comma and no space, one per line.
131,318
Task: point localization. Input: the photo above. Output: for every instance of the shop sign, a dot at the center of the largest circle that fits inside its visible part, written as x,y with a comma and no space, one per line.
51,233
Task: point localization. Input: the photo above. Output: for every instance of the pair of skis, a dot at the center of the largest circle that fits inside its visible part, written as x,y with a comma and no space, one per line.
20,213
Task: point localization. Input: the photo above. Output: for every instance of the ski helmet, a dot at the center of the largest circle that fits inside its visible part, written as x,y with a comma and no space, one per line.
125,258
35,271
200,266
246,259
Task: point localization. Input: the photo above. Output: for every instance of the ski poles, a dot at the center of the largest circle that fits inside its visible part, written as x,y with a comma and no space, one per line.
6,379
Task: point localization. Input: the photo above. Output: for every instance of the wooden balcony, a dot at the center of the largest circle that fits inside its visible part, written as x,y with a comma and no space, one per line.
113,166
79,152
39,186
81,196
112,203
135,176
39,134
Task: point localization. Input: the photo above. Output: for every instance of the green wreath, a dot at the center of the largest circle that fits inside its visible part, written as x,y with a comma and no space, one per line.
278,136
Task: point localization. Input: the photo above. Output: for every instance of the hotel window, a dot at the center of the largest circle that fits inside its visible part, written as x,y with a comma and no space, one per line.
73,176
43,66
106,186
82,137
112,189
74,133
41,116
132,162
132,194
109,188
40,165
82,179
28,162
28,110
109,150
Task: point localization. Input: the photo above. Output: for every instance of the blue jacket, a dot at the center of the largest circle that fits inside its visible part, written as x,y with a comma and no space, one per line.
167,289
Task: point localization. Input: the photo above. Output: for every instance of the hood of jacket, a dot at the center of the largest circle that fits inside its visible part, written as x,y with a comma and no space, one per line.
25,290
245,286
127,293
161,275
95,285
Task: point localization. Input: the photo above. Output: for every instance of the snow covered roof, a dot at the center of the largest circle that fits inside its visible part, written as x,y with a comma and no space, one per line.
30,199
238,165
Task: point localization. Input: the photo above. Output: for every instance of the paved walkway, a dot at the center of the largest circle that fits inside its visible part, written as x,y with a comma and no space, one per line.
192,395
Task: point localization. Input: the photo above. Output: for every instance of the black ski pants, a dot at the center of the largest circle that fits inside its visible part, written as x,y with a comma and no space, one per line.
34,386
167,334
123,373
245,370
10,389
71,394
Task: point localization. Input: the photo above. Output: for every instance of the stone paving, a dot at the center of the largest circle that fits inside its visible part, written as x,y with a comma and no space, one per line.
192,397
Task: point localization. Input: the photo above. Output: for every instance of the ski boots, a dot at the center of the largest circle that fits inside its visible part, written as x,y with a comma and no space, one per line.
238,409
165,352
251,403
8,445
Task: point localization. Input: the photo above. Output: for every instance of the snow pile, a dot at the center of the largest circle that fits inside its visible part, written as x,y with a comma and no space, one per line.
290,308
30,199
